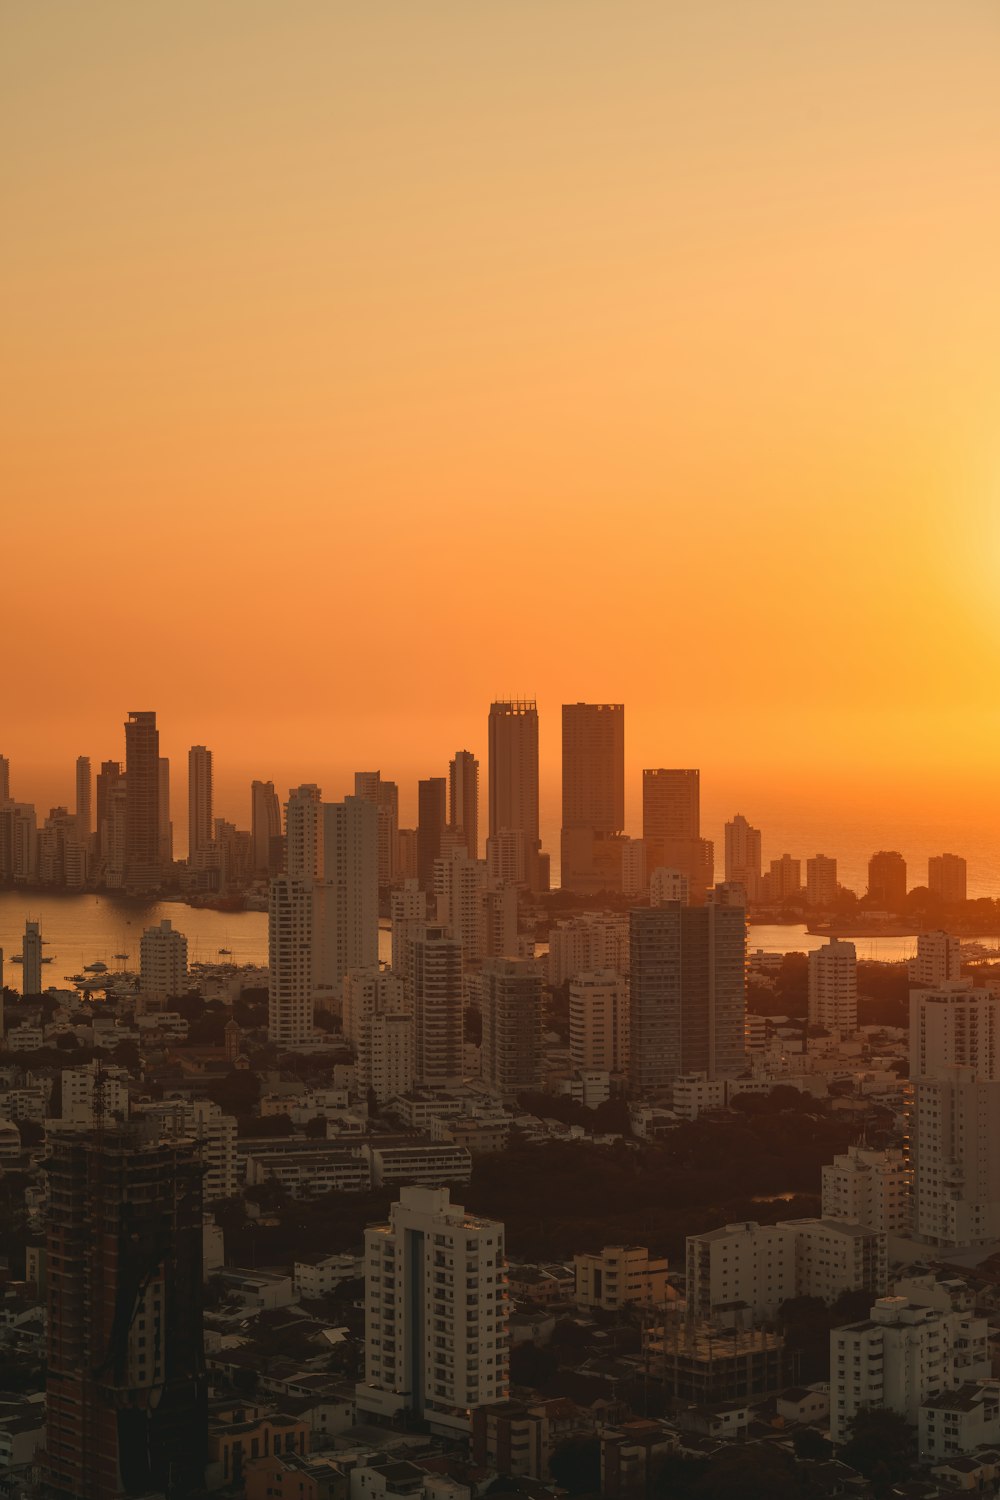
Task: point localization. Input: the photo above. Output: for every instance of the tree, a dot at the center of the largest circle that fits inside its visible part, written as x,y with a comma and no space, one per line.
880,1446
809,1443
315,1128
576,1466
752,1471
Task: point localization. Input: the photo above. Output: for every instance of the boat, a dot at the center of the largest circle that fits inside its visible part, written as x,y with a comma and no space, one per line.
97,968
228,952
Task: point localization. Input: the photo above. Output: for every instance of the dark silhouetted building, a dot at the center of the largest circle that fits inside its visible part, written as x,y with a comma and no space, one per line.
671,828
125,1385
593,795
887,880
463,799
432,819
513,780
142,802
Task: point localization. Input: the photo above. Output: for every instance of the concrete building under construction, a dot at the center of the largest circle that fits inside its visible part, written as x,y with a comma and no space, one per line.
125,1390
707,1363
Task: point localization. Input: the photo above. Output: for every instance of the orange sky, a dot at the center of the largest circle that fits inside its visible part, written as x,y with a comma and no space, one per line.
367,360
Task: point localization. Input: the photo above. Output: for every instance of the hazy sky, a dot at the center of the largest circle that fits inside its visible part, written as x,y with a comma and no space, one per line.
364,361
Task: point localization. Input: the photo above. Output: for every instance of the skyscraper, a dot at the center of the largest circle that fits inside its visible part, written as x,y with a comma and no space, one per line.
31,959
163,962
83,803
821,880
512,1025
743,855
126,1396
346,934
463,798
687,988
513,778
303,850
370,787
671,827
142,802
4,780
265,828
432,820
887,880
199,803
947,877
593,793
166,839
435,981
436,1309
108,776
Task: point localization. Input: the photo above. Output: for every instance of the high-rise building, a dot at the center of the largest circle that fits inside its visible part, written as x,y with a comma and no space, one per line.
955,1114
593,792
687,989
821,881
303,845
833,987
346,935
378,1022
671,827
126,1395
108,776
143,869
938,960
435,984
290,945
408,914
743,855
265,828
513,778
581,945
669,885
463,799
436,1309
83,799
783,881
598,1021
18,842
887,880
166,827
947,877
200,824
369,786
512,1025
163,962
4,780
432,819
870,1187
31,959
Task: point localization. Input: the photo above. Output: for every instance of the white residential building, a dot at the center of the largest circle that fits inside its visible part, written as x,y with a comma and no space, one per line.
833,987
760,1266
205,1122
77,1088
581,945
378,1021
938,960
955,1114
669,885
163,962
619,1275
436,1309
869,1187
901,1356
598,1021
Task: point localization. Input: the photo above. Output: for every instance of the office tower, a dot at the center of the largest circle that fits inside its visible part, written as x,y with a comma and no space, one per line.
303,853
432,819
434,977
598,1021
687,990
143,869
126,1395
4,780
436,1309
18,842
669,885
31,959
200,823
406,855
265,828
938,960
821,880
369,786
166,827
108,776
887,880
833,987
512,1025
671,827
783,881
163,962
346,935
513,779
743,855
593,795
947,877
83,815
463,799
955,1114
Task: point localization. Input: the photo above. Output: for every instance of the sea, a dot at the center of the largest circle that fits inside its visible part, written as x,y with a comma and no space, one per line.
84,929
